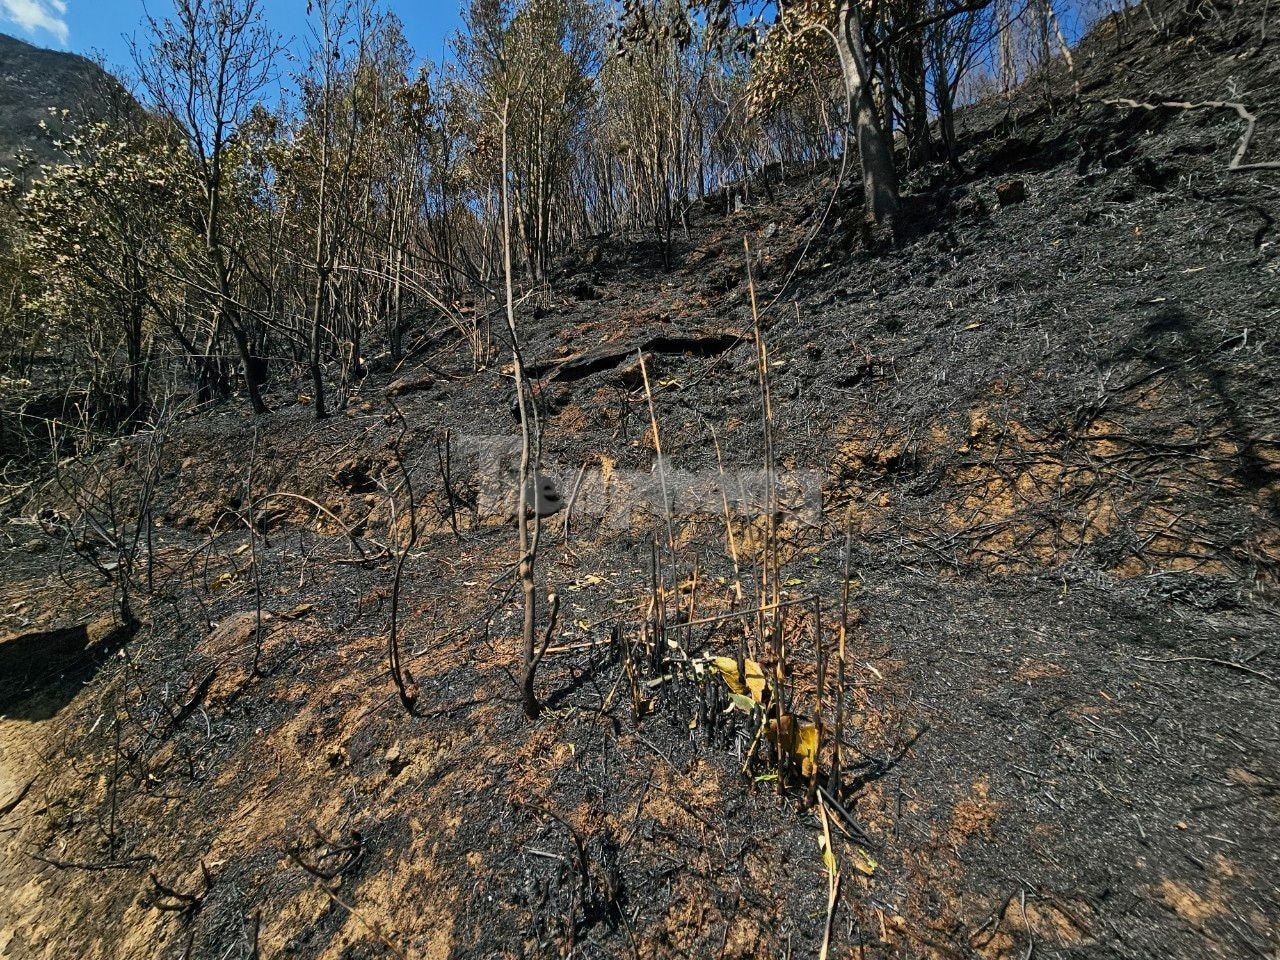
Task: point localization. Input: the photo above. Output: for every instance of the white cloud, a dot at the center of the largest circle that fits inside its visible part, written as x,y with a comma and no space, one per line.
33,16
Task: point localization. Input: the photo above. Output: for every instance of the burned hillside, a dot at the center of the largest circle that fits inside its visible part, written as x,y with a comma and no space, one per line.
910,600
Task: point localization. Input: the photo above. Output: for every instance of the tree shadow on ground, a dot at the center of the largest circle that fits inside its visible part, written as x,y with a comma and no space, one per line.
1170,337
42,671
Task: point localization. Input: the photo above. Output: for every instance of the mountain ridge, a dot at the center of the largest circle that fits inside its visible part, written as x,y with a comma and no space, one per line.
35,82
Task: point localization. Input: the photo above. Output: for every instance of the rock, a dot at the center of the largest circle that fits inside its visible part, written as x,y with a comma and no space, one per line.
356,475
629,373
234,633
396,761
411,383
15,797
33,657
545,496
581,289
1011,192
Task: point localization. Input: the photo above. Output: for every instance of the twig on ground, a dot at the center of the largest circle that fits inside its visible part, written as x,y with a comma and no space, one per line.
1229,664
1237,164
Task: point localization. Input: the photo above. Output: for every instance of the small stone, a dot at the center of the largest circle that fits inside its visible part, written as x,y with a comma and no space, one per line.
396,761
356,475
412,383
1011,192
581,289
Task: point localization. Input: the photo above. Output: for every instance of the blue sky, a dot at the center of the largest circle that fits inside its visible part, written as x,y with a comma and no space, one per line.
102,26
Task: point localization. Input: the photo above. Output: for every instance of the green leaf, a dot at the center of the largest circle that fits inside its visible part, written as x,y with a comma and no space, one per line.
863,862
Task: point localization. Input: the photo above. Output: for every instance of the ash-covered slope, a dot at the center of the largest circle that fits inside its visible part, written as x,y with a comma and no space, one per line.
1049,429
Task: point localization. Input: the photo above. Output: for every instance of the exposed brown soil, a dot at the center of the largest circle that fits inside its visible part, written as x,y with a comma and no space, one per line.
1052,429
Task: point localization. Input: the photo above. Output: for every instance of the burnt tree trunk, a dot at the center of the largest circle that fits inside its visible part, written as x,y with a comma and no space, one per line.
874,150
252,367
915,103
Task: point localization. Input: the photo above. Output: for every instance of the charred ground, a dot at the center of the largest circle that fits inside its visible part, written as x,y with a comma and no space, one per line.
1053,426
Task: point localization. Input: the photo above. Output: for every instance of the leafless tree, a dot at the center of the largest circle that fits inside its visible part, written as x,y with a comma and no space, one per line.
206,65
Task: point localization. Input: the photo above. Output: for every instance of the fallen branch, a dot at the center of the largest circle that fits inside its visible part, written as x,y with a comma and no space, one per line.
285,495
584,873
352,853
856,828
171,900
1229,664
192,702
368,925
81,865
1237,164
833,880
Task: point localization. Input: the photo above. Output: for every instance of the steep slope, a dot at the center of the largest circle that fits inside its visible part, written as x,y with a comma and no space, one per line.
1049,430
35,81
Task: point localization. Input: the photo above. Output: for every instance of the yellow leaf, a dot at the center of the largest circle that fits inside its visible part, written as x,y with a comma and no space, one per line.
828,859
824,842
798,741
806,747
727,667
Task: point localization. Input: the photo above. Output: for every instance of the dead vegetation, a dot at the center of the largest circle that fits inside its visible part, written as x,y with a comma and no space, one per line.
1008,694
